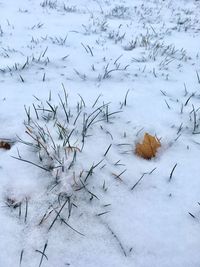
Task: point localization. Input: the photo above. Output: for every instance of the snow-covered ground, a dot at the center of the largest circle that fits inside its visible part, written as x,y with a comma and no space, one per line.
81,81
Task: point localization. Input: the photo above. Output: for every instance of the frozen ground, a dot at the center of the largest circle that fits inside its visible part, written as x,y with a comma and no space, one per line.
128,67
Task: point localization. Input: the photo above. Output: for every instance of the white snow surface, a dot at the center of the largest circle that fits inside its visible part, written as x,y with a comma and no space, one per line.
132,67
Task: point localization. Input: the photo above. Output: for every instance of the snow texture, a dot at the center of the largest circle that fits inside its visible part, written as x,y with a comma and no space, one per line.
81,82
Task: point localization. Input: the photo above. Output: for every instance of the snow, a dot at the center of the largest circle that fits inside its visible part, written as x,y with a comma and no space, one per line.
98,52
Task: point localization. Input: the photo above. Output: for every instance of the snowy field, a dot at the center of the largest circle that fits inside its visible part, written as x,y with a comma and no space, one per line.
81,82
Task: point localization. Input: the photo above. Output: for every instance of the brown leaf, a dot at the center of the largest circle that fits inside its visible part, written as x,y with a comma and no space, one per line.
148,148
5,145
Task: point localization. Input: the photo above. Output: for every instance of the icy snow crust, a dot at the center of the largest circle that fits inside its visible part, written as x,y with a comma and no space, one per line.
81,82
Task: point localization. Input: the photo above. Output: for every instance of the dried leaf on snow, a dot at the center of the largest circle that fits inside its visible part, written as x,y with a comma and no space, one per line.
5,145
148,148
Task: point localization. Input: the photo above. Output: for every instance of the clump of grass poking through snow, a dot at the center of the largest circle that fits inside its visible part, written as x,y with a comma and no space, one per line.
74,145
65,140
